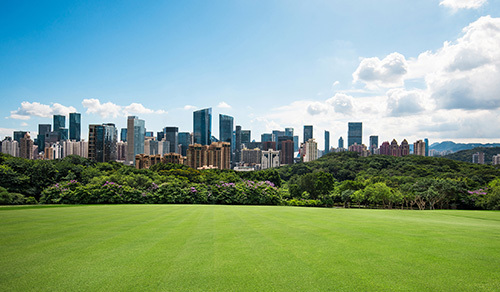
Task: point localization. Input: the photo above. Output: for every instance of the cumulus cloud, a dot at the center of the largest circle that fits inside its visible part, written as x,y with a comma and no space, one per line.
317,108
388,72
189,107
342,103
109,109
401,102
223,105
29,109
464,74
462,4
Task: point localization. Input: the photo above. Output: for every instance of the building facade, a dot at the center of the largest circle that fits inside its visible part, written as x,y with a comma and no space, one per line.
136,133
102,142
75,126
355,134
202,126
308,133
270,159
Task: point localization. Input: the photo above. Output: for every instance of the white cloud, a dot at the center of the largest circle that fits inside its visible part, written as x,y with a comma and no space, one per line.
388,72
464,74
223,105
189,107
28,109
7,132
401,102
342,103
105,110
109,109
463,4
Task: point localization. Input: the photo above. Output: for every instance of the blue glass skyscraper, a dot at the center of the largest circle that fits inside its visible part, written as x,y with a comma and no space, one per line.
327,142
308,133
75,126
171,135
226,128
355,134
202,126
136,132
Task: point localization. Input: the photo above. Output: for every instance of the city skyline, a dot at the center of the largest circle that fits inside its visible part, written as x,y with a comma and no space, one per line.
270,65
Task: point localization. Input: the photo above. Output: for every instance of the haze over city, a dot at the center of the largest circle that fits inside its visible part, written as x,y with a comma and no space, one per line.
405,70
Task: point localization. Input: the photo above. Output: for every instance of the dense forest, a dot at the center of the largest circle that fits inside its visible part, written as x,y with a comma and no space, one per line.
337,179
466,155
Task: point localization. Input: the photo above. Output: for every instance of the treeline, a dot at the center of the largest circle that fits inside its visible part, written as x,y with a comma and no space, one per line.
337,179
466,155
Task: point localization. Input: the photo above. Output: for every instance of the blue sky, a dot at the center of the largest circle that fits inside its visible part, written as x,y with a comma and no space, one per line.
406,69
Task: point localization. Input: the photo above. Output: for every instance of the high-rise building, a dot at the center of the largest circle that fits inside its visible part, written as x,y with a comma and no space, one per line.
202,126
237,145
26,147
75,126
136,133
246,136
419,148
289,132
495,160
121,151
308,133
385,148
160,135
216,155
184,142
270,159
10,146
172,136
18,135
102,142
327,142
277,134
395,149
251,156
150,134
43,129
266,137
355,134
341,143
226,128
478,158
296,143
286,153
405,148
311,149
123,136
268,145
373,144
426,146
59,122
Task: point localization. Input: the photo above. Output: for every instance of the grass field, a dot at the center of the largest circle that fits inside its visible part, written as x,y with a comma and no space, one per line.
234,248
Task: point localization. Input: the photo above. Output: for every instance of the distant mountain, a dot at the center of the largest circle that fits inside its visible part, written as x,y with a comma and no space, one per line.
454,147
466,155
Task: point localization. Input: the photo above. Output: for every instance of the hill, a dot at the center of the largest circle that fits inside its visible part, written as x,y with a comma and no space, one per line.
466,155
454,147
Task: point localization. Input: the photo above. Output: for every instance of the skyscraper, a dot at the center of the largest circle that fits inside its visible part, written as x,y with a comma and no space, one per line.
202,126
26,147
136,132
341,143
123,135
373,143
426,146
226,128
75,126
18,135
308,133
43,129
237,145
327,142
289,132
266,137
355,134
172,136
102,142
60,127
246,136
277,134
184,141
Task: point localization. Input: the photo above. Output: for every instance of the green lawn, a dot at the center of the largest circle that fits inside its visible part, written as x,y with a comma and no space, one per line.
233,248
